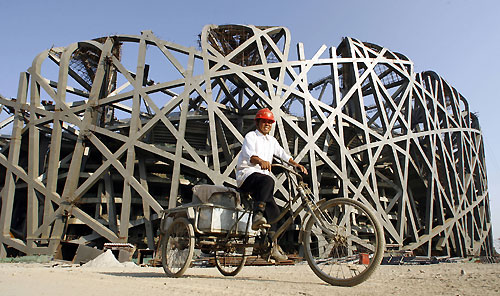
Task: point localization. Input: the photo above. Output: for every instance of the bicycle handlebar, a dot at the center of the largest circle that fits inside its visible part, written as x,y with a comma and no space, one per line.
287,168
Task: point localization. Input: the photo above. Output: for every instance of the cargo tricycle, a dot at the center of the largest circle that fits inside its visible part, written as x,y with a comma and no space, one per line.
341,238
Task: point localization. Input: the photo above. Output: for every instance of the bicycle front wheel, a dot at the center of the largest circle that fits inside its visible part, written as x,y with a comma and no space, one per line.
345,244
177,247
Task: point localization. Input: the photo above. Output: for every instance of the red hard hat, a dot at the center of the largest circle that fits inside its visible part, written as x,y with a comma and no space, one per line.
264,114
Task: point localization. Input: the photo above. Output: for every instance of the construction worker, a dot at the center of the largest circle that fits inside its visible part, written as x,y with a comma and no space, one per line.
253,173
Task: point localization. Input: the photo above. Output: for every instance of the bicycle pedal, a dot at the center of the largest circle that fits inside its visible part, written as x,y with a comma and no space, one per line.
267,257
262,226
265,225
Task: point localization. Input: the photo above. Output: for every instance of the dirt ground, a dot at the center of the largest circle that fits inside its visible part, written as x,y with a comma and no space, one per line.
55,278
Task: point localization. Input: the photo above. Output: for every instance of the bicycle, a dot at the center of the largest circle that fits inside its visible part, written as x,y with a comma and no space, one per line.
342,240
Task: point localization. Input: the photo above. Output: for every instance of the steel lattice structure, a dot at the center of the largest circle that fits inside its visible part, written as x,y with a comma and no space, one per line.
129,123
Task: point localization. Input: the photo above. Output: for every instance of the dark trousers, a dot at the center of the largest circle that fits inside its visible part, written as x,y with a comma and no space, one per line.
261,188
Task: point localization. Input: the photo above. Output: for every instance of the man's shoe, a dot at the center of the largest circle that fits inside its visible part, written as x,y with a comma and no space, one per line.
258,221
277,253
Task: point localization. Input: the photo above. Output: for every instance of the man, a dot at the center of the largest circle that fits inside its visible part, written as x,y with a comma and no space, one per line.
253,172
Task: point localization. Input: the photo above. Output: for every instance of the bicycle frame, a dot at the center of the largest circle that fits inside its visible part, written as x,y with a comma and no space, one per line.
307,203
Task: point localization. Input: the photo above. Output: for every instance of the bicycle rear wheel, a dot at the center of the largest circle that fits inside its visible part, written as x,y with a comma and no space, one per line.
346,244
231,259
177,247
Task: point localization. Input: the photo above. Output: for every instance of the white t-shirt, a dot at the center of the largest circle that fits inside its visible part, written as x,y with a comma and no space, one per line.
263,146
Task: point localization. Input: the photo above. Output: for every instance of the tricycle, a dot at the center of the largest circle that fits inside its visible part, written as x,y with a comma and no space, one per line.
342,240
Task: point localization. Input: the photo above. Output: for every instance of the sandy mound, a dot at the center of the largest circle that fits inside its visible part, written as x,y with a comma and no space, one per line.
107,260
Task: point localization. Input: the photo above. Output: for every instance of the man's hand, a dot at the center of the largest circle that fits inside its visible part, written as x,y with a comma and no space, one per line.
265,165
302,168
298,165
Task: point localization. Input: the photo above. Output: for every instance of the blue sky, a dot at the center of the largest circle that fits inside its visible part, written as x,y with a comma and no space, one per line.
457,39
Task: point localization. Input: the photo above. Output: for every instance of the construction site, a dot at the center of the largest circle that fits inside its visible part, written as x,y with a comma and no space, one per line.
107,133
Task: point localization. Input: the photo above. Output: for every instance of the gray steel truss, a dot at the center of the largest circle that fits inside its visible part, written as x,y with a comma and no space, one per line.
107,133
